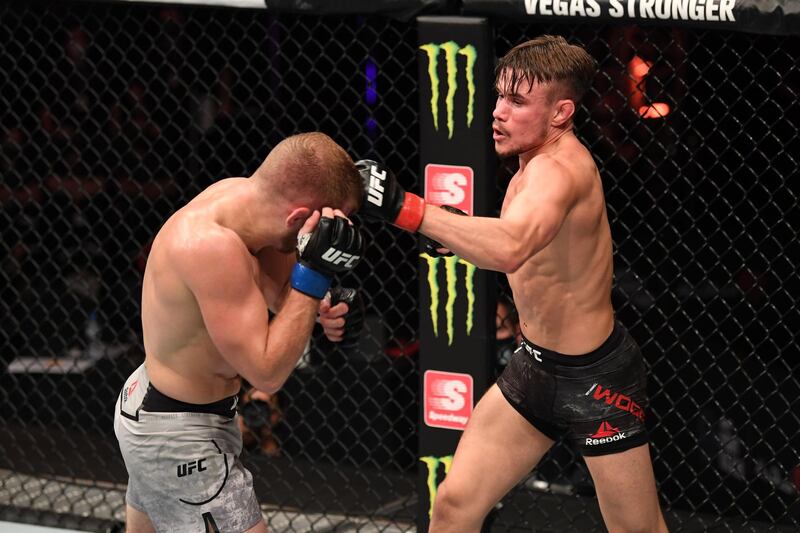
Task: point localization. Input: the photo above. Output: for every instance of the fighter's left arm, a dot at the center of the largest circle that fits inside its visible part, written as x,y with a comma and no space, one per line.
546,194
275,270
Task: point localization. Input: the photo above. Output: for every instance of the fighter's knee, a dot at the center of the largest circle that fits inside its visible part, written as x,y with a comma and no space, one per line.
452,510
446,504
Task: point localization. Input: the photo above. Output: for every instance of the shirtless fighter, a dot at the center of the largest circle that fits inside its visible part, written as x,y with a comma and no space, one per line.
577,372
241,247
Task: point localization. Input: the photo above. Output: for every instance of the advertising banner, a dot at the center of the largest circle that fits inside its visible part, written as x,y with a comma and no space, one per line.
457,300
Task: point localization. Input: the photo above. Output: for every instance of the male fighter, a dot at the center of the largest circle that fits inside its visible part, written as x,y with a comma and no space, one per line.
577,372
241,247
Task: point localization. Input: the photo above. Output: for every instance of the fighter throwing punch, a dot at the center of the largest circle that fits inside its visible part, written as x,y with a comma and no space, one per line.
577,373
241,247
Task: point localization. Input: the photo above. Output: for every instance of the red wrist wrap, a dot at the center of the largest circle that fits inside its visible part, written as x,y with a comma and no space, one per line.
410,216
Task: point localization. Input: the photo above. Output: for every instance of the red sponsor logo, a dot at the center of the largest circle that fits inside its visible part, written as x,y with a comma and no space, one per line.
620,401
127,392
605,430
447,399
605,433
449,185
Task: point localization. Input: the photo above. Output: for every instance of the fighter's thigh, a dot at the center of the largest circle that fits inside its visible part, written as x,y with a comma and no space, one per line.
497,449
626,490
137,521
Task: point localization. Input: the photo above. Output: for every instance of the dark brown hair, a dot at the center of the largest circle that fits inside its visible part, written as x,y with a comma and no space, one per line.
545,59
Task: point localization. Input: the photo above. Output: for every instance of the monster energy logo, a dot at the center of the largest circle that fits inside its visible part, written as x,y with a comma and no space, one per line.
433,463
451,53
451,278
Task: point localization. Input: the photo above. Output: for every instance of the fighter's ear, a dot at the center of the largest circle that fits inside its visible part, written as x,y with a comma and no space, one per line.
563,111
297,217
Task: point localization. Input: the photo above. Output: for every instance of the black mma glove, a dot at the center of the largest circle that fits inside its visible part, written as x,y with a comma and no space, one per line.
335,246
430,246
385,199
354,319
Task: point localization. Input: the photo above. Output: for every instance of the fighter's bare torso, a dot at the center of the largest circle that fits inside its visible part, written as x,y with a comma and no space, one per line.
562,293
181,358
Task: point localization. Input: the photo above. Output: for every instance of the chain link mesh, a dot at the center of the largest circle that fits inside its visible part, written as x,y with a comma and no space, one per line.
115,115
701,209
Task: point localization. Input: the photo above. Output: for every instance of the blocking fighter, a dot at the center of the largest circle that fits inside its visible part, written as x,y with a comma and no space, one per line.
240,248
577,373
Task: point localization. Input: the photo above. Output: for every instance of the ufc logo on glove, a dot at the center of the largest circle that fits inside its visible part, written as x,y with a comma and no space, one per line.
376,179
338,257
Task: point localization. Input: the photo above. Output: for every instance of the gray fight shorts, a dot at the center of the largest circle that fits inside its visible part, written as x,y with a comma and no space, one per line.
183,461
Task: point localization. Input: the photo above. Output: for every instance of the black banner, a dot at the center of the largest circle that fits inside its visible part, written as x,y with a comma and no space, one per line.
772,17
401,9
457,300
398,9
776,17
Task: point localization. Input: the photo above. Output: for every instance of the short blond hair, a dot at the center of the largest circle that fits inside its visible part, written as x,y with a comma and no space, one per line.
312,166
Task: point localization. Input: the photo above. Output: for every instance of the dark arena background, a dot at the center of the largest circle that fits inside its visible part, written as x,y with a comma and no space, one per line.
114,114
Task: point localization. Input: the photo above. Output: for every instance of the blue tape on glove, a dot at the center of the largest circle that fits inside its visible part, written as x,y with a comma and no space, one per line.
309,281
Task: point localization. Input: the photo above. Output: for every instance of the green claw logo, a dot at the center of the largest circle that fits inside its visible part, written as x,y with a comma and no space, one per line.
451,52
451,277
433,462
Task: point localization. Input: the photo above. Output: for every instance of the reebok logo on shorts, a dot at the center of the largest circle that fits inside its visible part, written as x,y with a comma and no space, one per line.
605,433
128,391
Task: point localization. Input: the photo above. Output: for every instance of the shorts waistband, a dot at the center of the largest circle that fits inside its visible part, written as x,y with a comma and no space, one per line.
156,401
613,341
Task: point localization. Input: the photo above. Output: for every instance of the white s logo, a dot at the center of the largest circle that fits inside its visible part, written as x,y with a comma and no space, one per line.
448,188
449,395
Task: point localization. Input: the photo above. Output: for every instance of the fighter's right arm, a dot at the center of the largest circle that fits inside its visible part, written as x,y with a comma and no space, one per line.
220,272
503,244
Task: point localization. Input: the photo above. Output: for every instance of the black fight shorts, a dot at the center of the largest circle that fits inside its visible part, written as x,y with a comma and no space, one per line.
597,400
